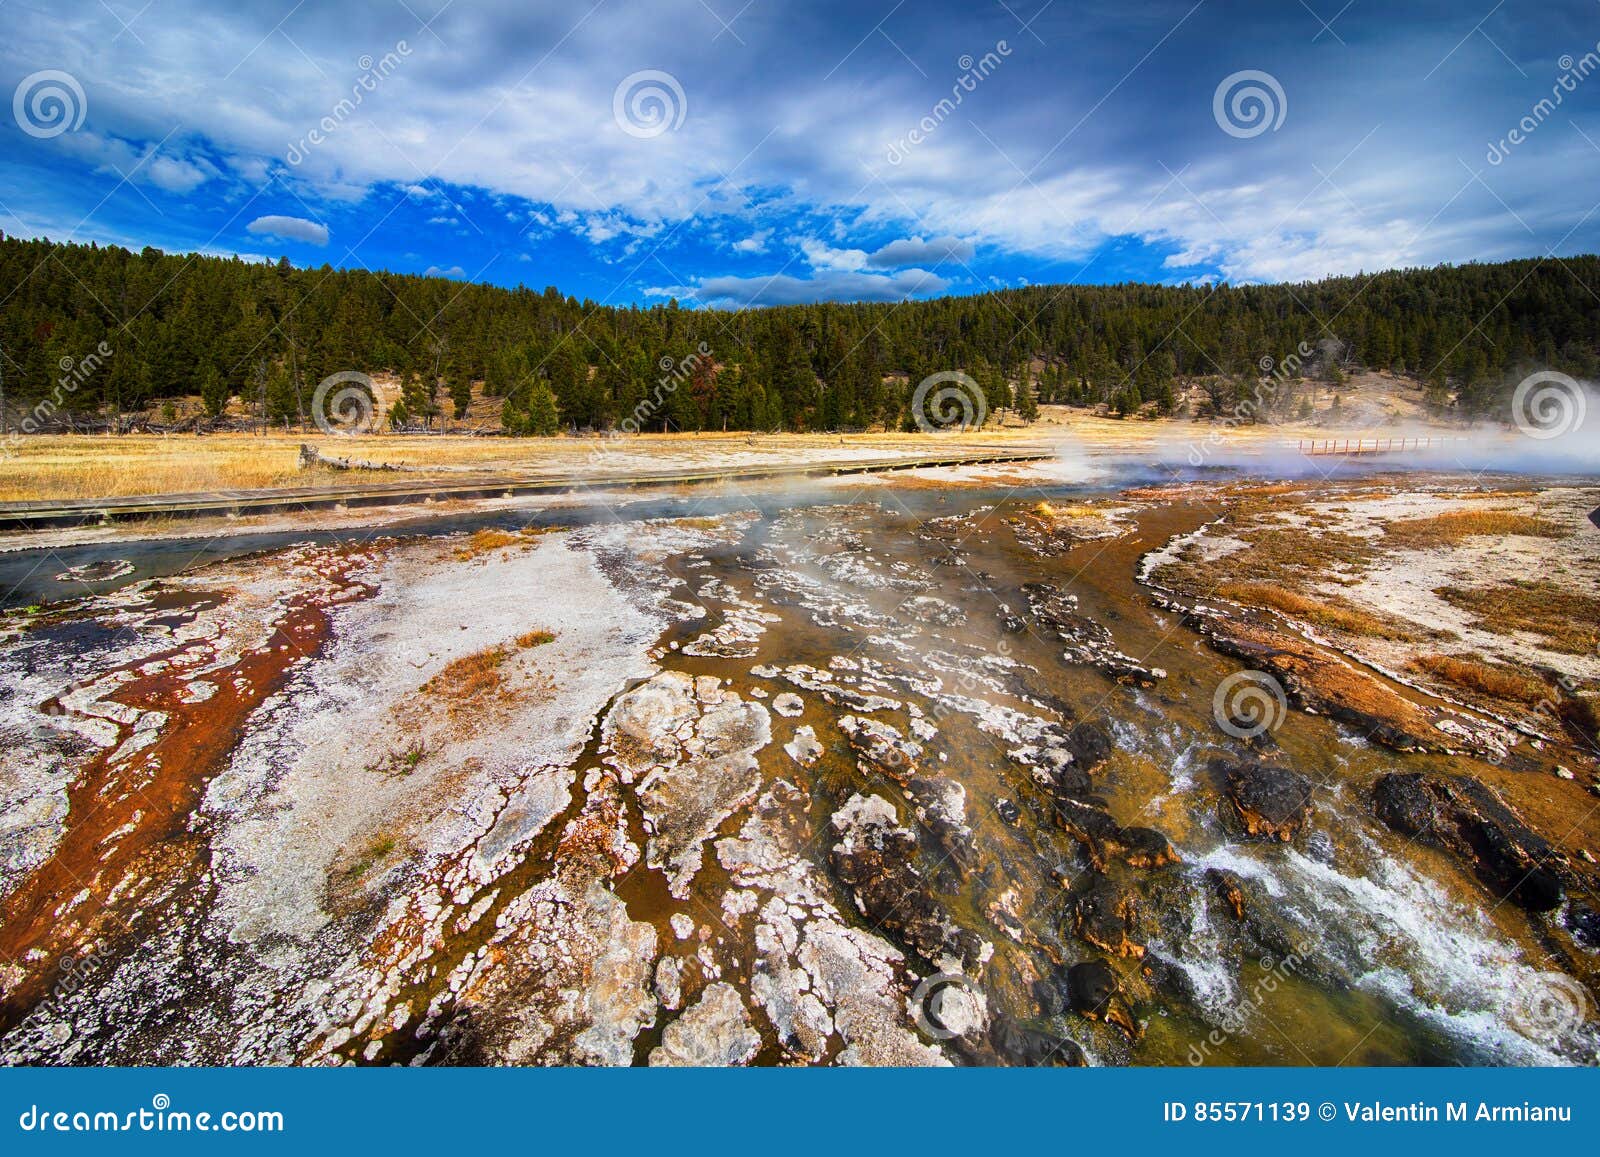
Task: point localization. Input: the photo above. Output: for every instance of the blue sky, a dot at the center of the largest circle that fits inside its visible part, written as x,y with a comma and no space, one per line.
731,153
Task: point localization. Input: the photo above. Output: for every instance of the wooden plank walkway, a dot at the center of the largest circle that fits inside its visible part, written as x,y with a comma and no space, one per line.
228,503
1318,447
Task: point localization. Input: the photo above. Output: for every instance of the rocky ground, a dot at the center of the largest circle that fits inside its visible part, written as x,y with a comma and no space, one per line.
853,784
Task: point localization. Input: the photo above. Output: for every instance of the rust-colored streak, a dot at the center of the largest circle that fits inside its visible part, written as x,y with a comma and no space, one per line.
143,802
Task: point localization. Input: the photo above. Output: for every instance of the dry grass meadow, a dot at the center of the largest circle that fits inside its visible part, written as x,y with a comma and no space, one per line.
68,467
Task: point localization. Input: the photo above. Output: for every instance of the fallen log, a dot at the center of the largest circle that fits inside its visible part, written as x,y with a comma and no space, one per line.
311,458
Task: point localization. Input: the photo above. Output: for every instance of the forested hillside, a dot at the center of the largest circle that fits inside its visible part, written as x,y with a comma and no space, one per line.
178,325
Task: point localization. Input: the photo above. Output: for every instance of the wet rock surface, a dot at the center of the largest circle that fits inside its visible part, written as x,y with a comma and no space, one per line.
1088,641
1270,801
739,789
1468,820
877,860
1017,1044
1106,915
715,1031
691,747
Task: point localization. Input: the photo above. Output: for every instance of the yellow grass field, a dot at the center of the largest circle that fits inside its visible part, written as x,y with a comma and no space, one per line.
106,466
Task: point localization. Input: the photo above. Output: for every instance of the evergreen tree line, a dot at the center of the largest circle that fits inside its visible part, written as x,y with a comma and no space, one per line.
181,325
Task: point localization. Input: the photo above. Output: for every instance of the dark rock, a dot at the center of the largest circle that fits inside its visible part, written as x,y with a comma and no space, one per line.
1147,848
1467,819
941,806
1088,642
1009,812
1104,839
1091,827
1584,924
1016,1044
1091,987
1270,800
1057,768
881,747
1090,744
1229,890
1106,916
876,860
1095,993
1167,977
1012,624
1051,994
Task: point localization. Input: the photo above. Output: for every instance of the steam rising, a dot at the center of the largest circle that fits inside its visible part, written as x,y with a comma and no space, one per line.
1264,451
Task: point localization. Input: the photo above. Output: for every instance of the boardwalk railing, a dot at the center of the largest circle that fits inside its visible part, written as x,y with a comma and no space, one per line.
1319,446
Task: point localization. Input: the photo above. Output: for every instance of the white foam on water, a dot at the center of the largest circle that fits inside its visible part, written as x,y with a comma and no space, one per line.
1404,937
1204,960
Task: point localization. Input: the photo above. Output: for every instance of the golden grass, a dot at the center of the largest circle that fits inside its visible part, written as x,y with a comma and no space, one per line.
486,540
77,466
1053,513
469,677
1263,489
1281,557
1563,620
376,849
1329,613
1473,674
1455,525
1480,495
466,682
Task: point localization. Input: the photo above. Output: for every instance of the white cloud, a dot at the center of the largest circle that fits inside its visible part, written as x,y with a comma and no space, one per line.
828,285
464,112
916,251
435,271
143,163
289,229
824,257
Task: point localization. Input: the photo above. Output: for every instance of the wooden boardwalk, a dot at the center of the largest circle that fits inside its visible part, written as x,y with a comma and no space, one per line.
233,503
1319,447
